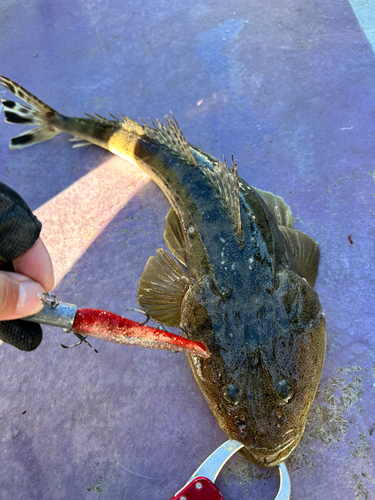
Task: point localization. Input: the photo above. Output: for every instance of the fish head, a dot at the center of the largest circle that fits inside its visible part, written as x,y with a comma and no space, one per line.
267,355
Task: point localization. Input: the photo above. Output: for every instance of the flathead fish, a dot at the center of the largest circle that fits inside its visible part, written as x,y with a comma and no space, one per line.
238,276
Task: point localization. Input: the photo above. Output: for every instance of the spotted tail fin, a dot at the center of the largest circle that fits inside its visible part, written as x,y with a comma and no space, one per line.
36,114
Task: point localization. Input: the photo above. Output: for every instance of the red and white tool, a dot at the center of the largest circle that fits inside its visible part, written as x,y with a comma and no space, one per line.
201,484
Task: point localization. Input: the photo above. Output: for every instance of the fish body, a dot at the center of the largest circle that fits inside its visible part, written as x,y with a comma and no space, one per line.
240,279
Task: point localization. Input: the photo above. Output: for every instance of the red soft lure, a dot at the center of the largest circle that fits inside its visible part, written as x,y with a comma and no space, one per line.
109,326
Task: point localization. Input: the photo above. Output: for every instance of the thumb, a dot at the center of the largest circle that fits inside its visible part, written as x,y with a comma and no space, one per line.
18,296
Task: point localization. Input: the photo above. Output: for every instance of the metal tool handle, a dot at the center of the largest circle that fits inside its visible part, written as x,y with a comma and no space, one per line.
201,484
285,486
200,488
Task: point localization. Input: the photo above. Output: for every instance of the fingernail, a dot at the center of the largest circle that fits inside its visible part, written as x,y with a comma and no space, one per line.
28,299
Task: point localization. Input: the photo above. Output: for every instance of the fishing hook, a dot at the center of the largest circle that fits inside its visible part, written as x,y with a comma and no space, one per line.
142,312
81,338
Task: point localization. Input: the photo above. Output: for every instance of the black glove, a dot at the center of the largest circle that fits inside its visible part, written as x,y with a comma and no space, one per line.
19,230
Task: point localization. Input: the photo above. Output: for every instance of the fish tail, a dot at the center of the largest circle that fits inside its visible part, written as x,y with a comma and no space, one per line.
37,114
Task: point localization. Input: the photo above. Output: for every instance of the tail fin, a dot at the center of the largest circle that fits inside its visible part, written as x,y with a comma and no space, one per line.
39,115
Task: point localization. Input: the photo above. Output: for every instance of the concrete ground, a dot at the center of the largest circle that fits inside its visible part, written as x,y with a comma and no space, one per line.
286,86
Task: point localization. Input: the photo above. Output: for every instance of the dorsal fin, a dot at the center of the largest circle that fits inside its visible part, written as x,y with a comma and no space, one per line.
171,137
225,181
278,207
131,126
162,287
174,236
305,253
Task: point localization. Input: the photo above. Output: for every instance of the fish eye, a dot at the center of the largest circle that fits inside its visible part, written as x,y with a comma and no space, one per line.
243,428
231,394
284,392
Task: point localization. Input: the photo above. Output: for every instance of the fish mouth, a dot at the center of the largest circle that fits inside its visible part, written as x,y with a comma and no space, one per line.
268,458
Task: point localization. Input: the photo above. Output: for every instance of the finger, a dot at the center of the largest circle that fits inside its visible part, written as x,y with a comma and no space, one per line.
36,264
18,296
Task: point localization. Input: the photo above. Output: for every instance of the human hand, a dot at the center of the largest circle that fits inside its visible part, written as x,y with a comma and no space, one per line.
19,290
26,271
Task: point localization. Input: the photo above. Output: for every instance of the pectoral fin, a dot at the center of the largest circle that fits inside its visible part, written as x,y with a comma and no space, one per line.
174,236
162,287
278,207
305,253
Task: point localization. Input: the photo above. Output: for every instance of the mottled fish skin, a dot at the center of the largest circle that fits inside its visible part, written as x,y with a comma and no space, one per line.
243,285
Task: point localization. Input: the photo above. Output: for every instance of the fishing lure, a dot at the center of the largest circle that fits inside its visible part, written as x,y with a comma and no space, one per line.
238,276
